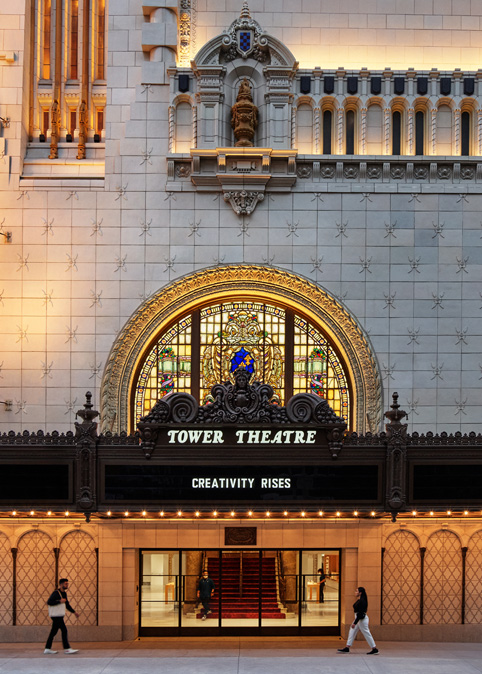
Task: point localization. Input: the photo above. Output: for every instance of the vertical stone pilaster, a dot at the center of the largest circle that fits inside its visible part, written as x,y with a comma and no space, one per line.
456,136
363,131
387,118
410,123
433,131
340,126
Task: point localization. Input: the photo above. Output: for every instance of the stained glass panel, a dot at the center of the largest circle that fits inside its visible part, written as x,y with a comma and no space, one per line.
227,335
247,334
317,368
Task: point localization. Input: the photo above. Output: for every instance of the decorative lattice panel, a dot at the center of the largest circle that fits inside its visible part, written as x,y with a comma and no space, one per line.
442,600
78,563
6,581
35,578
401,580
473,580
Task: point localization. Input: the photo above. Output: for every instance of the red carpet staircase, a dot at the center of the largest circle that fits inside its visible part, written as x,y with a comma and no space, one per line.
243,602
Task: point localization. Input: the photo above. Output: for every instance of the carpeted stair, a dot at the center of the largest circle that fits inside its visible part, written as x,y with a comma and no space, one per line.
247,605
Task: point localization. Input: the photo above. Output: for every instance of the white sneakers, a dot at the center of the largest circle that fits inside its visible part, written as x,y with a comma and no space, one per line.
69,651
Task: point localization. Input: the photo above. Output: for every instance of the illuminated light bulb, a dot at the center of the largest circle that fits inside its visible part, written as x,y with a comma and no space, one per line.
338,513
321,513
431,513
144,513
197,513
268,513
449,512
303,514
215,513
126,513
285,513
233,513
355,513
414,512
14,513
466,512
250,513
161,514
48,513
372,513
32,512
109,513
179,513
67,513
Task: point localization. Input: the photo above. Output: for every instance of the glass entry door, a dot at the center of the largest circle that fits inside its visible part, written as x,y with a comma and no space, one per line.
239,592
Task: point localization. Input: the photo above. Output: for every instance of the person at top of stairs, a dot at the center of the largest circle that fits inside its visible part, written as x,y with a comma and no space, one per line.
205,591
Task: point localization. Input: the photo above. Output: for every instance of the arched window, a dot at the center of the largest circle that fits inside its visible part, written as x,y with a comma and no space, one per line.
78,563
183,127
397,132
419,132
442,586
278,346
327,131
401,580
304,123
35,578
350,132
444,130
374,138
465,135
100,40
74,40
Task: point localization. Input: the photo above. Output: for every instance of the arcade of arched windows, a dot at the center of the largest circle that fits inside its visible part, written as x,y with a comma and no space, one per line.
30,572
376,128
434,584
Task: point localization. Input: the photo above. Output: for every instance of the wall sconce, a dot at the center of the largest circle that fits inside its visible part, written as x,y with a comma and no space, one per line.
5,122
7,235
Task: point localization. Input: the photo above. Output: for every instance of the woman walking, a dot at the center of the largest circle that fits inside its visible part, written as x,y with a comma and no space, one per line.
360,623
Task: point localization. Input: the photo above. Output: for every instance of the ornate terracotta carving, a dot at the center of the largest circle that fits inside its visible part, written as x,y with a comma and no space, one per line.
244,116
83,129
294,290
240,535
55,130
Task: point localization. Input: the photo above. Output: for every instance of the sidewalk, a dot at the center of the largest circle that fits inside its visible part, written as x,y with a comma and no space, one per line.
243,656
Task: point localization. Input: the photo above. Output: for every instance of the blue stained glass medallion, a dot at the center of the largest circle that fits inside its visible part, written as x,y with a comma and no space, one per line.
242,358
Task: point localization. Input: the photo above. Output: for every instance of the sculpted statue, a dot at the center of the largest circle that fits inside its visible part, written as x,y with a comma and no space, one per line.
55,132
244,116
83,127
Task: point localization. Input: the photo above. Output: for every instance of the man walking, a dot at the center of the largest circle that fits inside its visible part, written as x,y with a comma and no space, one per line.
204,592
57,603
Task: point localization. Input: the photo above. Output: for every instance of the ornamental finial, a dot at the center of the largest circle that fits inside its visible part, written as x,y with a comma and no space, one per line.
245,11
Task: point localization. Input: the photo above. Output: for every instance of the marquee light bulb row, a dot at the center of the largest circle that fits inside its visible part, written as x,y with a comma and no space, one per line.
233,514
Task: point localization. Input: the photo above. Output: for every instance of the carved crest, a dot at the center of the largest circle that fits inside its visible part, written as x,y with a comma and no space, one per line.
244,38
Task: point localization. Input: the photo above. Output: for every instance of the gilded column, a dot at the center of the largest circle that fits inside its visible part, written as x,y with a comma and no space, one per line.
387,114
410,115
363,134
340,125
84,104
55,112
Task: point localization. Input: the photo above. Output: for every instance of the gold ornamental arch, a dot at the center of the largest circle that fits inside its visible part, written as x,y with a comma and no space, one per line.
231,283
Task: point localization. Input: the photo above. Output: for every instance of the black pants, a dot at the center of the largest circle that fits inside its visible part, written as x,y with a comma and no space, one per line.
205,601
58,624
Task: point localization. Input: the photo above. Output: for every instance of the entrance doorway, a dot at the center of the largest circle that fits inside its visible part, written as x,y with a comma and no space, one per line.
255,592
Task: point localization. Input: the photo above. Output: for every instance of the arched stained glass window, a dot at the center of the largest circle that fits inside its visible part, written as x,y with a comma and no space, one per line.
278,346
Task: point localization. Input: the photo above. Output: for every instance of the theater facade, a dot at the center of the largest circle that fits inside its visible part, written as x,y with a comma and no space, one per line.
240,301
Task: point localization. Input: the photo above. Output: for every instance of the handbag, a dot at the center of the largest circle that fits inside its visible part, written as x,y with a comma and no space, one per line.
57,611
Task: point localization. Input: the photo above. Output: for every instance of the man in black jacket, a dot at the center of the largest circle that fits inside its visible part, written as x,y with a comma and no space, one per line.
59,599
204,592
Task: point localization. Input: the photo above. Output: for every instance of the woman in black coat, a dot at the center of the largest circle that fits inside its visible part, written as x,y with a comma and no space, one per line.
360,623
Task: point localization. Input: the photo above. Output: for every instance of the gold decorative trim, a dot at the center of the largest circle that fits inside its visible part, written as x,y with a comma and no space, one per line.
224,282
